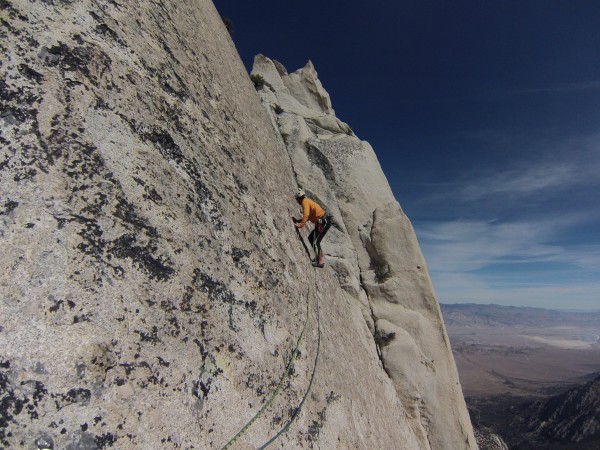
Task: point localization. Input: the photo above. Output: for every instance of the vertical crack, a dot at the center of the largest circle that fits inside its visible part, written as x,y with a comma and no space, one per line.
376,333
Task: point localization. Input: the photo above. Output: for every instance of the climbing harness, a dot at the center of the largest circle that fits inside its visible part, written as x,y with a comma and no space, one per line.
321,228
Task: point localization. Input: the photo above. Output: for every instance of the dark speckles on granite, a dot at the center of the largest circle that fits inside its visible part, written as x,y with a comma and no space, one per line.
175,326
11,405
128,367
5,5
88,60
40,368
200,389
156,268
83,163
126,212
215,289
56,304
152,195
82,318
9,206
17,103
30,73
163,140
316,157
237,254
105,440
80,396
162,362
104,30
150,336
124,247
34,389
170,150
93,244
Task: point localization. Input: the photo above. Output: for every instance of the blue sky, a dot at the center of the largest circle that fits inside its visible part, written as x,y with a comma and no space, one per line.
485,116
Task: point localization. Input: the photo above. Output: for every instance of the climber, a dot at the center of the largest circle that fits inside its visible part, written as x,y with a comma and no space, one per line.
313,212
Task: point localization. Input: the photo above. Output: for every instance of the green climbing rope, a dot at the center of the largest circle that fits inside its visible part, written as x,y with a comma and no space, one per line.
312,378
279,386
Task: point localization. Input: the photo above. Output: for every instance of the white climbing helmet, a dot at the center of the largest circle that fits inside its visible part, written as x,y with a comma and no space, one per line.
300,194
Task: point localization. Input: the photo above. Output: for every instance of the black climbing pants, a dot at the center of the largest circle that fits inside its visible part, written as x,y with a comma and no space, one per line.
317,234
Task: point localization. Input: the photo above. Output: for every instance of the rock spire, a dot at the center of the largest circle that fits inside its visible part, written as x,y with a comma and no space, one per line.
374,252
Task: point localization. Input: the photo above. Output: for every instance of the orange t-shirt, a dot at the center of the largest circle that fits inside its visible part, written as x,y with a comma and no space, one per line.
312,211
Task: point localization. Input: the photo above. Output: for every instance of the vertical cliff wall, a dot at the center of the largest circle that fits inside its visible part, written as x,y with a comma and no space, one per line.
373,250
153,293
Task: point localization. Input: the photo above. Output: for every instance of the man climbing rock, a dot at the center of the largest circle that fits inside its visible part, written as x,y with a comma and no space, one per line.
313,212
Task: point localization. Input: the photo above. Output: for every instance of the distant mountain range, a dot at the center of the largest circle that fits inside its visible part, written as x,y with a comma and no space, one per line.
473,315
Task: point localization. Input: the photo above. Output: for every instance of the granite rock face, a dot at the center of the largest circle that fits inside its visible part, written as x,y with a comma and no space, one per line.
374,252
487,440
153,291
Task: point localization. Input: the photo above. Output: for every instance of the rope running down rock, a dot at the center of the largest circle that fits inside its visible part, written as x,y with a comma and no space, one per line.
312,378
276,392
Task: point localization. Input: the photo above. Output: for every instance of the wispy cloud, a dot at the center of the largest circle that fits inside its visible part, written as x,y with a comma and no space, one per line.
584,256
463,246
523,242
469,288
463,256
569,164
527,180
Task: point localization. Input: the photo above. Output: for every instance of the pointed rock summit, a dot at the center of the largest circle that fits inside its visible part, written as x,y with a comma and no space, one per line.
300,93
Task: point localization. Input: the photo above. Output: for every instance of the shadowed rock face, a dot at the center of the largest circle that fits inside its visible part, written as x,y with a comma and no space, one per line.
568,420
152,288
568,417
486,440
374,252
